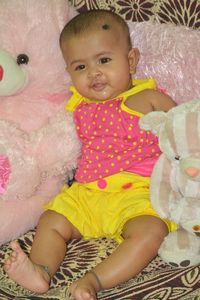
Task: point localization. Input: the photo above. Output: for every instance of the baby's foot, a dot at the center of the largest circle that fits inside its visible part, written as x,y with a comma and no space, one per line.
27,274
85,288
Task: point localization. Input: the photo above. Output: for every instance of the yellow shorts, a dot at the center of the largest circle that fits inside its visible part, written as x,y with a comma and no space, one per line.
101,208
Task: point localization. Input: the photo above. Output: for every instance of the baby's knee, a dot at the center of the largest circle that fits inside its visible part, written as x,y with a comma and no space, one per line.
146,230
52,220
47,215
158,229
145,225
154,237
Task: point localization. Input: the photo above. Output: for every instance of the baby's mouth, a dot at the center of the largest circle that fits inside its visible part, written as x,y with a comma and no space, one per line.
98,86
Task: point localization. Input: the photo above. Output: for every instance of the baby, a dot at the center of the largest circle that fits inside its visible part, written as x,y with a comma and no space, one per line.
110,194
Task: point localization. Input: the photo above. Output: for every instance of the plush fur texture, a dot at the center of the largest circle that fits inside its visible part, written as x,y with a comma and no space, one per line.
38,143
175,181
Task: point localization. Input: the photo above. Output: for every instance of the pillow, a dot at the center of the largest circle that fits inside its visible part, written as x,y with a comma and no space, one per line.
170,54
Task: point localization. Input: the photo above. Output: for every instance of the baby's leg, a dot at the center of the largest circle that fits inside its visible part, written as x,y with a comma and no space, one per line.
142,238
47,253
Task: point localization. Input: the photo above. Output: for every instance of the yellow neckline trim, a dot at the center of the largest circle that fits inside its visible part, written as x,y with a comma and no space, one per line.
138,85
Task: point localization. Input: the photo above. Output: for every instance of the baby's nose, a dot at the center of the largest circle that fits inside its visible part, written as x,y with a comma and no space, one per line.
94,72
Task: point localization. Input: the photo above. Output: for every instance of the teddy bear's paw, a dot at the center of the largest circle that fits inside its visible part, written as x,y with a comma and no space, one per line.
180,249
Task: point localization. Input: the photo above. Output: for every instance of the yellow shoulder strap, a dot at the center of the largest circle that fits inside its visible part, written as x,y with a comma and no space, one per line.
138,86
74,100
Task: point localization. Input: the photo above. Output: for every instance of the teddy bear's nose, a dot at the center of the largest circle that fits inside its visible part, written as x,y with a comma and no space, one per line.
192,171
1,72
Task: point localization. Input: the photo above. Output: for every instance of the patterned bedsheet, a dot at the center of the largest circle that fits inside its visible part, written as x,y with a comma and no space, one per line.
156,281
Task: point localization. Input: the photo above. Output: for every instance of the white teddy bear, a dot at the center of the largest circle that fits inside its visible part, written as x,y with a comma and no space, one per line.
38,143
175,181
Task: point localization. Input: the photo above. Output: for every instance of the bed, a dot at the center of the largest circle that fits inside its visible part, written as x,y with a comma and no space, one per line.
158,280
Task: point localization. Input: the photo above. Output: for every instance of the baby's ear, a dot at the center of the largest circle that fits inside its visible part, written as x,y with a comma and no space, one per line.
153,121
133,56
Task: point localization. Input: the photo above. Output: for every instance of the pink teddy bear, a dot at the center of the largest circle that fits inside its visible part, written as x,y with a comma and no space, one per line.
38,143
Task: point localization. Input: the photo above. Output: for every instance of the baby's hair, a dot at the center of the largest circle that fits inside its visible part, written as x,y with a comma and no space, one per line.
94,20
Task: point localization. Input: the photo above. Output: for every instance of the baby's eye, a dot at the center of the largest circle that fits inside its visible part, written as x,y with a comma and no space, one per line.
104,60
80,67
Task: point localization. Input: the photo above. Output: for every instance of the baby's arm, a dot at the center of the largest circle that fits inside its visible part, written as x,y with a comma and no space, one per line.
150,100
160,101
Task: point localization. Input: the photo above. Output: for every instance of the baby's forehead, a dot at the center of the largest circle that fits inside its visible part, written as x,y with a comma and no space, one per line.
103,29
107,27
107,24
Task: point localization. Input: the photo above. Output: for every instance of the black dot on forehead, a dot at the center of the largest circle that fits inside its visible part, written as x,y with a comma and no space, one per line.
106,26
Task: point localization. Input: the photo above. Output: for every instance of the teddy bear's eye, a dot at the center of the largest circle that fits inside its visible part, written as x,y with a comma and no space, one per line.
22,59
177,157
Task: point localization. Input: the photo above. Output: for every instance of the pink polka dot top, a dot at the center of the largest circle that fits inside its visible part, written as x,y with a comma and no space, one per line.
112,140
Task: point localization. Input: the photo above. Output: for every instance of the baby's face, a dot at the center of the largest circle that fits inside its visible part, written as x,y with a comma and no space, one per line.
99,64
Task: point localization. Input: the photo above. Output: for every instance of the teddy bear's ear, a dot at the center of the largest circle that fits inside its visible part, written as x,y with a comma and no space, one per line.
153,121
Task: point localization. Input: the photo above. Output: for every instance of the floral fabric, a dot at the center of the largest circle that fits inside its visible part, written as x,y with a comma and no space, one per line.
182,12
